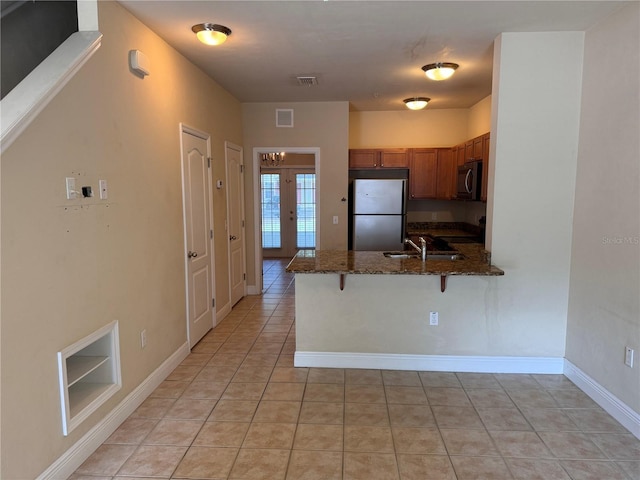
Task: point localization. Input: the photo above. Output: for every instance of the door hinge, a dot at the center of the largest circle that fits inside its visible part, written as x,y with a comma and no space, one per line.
210,233
213,302
242,223
241,168
244,276
208,162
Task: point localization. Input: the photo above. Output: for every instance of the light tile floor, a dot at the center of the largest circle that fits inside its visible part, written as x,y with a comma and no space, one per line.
236,408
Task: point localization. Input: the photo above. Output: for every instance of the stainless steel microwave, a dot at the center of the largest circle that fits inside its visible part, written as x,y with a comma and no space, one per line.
469,181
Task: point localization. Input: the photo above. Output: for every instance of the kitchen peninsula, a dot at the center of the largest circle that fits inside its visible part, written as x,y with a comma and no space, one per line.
359,309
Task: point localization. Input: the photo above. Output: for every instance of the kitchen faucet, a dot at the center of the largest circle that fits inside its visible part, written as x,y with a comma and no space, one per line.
422,249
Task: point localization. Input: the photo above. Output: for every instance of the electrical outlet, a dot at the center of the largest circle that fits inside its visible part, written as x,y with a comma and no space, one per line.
143,338
628,356
433,318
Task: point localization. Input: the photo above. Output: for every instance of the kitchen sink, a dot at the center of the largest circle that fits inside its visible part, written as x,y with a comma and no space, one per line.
401,254
444,256
430,255
460,239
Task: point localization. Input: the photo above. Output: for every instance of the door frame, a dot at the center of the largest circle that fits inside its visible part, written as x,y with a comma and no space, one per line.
204,136
257,215
233,146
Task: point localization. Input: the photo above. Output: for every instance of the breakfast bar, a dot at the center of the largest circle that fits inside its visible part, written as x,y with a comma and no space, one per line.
362,309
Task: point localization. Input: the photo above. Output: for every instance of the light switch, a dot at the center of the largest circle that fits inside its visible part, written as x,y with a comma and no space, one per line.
102,186
71,188
335,219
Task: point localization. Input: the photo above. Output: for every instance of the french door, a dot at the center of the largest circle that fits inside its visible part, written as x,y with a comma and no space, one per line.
288,205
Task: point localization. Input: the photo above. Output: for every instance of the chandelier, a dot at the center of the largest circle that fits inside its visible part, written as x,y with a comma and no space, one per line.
273,159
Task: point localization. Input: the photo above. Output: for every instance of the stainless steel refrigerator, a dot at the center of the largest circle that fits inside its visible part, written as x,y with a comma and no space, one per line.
379,214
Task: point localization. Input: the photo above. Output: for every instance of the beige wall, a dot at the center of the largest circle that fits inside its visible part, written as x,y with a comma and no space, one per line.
530,204
604,309
480,118
424,128
320,125
70,267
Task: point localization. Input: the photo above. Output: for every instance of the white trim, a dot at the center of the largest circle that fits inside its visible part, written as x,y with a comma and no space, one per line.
223,312
23,104
64,466
184,128
257,214
232,146
609,402
436,363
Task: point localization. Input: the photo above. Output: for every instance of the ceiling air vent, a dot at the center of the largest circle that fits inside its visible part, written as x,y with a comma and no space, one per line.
284,117
307,81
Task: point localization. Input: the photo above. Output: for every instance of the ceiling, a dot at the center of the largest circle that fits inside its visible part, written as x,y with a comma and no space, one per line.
368,53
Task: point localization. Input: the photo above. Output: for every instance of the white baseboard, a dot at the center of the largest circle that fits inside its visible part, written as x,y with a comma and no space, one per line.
609,402
437,363
64,466
223,312
253,290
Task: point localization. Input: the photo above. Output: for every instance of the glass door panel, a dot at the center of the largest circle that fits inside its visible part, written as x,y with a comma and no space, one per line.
306,210
288,206
270,203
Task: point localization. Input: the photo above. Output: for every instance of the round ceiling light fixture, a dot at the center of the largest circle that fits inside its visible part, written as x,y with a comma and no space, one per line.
211,33
416,103
440,71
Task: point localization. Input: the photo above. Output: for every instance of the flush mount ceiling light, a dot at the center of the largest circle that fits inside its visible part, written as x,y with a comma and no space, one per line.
440,71
416,103
211,33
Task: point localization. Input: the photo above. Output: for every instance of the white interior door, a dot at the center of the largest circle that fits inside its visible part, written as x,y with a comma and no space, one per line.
198,233
235,215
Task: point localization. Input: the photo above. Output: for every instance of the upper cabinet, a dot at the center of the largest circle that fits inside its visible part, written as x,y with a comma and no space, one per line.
485,165
379,158
476,149
431,173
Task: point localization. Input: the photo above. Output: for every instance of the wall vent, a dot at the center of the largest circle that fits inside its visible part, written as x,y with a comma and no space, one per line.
284,117
307,81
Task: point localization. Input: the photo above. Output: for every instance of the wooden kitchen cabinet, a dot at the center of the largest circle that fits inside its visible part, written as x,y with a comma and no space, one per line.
379,158
461,157
423,170
478,149
446,175
431,173
485,165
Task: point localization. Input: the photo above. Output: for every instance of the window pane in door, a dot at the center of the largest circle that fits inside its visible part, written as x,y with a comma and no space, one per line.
270,202
306,210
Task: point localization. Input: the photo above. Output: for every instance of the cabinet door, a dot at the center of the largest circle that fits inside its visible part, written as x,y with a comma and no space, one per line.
363,158
478,150
445,174
461,154
394,158
423,173
485,165
468,150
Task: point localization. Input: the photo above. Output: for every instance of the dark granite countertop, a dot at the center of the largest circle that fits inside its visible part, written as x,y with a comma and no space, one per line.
358,262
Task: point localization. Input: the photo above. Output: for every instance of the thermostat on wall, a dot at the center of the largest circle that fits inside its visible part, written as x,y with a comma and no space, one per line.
139,62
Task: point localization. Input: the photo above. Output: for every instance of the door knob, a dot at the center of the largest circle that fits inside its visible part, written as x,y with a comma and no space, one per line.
192,254
233,237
